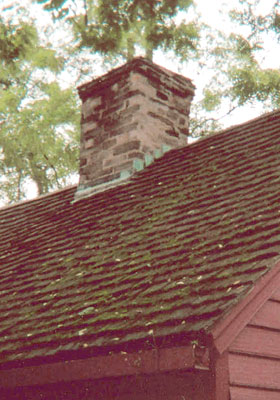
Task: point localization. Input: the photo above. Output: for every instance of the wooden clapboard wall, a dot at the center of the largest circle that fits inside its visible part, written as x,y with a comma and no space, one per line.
254,357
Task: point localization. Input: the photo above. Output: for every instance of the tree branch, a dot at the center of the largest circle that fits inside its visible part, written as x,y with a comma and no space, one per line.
54,170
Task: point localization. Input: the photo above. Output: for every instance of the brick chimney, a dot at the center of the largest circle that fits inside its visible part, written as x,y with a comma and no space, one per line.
130,115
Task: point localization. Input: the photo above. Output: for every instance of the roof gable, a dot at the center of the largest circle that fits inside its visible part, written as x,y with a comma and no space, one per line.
157,260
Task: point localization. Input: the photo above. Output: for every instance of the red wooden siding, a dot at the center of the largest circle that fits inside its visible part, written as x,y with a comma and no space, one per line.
276,295
254,371
254,340
254,356
269,315
238,393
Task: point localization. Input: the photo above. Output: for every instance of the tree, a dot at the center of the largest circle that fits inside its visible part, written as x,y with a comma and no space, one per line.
118,27
250,80
39,120
243,78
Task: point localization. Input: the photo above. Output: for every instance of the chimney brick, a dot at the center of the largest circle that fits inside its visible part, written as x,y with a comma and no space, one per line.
131,111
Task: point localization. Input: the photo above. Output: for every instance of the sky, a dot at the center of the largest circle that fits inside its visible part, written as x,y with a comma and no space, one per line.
209,10
215,18
212,16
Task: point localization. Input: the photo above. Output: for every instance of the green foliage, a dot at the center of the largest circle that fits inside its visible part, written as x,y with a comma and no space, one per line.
243,48
182,39
120,27
16,41
211,100
39,120
53,4
249,16
46,59
250,84
249,81
275,25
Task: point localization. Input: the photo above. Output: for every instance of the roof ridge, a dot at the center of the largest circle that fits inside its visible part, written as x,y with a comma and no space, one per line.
38,198
172,151
236,126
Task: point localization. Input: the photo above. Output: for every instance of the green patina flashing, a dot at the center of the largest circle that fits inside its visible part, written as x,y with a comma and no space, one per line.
138,164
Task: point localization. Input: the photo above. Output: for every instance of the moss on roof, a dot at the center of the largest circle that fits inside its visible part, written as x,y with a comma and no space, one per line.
161,258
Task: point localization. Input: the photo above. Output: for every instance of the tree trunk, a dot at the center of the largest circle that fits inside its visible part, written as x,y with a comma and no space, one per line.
149,53
130,49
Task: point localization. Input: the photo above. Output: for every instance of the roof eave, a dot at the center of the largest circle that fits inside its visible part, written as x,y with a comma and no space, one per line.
227,329
114,365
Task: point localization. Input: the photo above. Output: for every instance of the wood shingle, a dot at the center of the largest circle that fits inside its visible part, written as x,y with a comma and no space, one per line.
161,260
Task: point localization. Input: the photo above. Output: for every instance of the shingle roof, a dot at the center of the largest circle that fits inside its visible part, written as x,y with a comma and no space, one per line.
159,259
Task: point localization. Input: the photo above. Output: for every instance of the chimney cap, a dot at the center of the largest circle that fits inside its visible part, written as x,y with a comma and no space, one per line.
142,66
